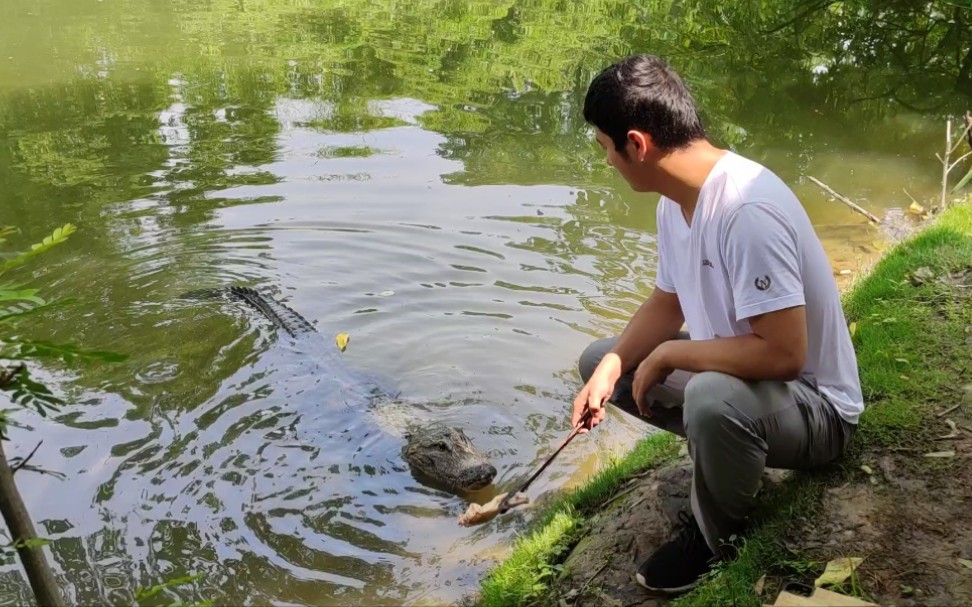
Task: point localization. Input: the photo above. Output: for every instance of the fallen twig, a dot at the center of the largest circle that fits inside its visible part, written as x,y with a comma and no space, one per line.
23,462
635,477
596,573
947,411
617,497
902,450
845,200
908,194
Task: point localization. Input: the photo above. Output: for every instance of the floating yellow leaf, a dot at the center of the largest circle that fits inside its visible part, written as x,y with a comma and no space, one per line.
838,570
853,328
342,340
916,209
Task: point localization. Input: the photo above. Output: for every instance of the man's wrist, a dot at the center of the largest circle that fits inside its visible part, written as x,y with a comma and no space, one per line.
663,355
610,367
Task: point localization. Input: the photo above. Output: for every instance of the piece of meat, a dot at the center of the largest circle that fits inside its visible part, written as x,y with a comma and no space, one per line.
480,513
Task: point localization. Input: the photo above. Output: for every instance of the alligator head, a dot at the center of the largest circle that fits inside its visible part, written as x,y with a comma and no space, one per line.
447,457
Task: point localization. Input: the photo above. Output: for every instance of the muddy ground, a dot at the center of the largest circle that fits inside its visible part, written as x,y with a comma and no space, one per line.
908,515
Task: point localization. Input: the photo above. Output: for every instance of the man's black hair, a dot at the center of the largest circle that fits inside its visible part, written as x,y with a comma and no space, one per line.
642,92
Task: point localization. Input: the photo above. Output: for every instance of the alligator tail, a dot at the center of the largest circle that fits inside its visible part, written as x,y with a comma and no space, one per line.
280,314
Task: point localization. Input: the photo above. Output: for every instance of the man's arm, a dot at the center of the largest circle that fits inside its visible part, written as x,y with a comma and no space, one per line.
657,320
761,253
776,350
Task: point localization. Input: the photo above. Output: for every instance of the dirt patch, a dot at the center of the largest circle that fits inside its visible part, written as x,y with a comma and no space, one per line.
910,520
600,569
905,513
641,517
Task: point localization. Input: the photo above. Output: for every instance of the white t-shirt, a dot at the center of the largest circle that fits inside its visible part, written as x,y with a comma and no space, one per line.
751,249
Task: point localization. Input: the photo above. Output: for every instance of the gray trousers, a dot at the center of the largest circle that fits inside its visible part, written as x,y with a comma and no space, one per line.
735,429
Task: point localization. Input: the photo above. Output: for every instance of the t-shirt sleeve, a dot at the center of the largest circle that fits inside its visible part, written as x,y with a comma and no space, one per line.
663,275
761,250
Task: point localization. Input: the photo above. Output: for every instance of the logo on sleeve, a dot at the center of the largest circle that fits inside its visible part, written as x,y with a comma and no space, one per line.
706,262
763,283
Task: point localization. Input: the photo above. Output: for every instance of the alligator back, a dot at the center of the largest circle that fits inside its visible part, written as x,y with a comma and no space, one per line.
443,455
279,314
314,350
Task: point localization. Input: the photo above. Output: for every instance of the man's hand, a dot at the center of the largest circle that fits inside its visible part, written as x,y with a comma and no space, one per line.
652,371
597,391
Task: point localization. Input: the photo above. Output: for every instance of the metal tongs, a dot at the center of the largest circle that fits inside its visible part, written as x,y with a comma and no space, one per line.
504,505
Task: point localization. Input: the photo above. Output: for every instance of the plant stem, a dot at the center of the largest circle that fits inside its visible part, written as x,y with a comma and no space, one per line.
42,582
948,151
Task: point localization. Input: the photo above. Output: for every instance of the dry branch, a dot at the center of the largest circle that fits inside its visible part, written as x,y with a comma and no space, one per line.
42,581
844,199
968,128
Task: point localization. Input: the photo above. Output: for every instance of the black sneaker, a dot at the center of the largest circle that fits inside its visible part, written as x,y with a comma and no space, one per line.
677,566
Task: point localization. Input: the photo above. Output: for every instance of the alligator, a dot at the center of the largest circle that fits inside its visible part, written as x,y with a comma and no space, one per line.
438,454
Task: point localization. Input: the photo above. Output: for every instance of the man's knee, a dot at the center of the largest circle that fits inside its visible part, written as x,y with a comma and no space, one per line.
592,356
708,401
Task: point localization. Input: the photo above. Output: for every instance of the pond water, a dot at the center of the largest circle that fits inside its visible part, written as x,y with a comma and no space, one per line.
414,173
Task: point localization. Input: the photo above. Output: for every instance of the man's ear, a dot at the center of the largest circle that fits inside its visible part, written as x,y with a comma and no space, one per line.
642,143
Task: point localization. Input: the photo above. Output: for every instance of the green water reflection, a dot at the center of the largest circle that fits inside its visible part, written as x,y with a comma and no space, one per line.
416,173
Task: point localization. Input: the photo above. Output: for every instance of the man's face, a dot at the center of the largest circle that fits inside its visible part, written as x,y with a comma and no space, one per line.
628,165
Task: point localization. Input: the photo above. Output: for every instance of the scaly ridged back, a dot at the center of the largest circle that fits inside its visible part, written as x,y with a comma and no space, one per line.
280,314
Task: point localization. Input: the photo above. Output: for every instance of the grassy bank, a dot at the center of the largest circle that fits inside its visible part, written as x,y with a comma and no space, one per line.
525,574
911,337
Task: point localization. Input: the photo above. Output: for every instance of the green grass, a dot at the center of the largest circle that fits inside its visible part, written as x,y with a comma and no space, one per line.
536,555
911,346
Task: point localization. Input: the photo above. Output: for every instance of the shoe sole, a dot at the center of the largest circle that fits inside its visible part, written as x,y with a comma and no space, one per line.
673,590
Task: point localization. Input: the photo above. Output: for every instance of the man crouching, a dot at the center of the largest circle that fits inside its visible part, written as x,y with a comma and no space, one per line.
766,374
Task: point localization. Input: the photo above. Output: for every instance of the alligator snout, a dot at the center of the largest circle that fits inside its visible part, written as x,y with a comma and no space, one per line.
477,477
447,457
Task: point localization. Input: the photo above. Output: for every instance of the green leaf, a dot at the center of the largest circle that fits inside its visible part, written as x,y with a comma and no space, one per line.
24,295
27,393
26,308
34,542
147,593
57,237
6,231
66,352
963,182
